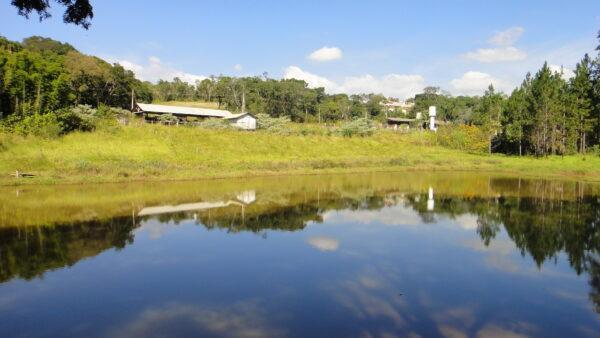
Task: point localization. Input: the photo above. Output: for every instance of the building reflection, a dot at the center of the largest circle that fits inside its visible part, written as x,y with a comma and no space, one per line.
541,226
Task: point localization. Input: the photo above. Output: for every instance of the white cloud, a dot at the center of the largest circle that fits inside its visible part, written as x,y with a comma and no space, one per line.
507,37
396,85
475,83
501,54
313,80
325,54
504,49
154,69
566,73
237,67
323,243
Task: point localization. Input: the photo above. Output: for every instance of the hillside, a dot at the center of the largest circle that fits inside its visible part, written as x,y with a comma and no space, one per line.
155,152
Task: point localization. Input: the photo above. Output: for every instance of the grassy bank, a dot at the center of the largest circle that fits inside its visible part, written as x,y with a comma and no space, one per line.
155,152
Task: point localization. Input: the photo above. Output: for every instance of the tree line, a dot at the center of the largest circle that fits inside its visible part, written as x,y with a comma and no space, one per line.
41,75
263,95
547,114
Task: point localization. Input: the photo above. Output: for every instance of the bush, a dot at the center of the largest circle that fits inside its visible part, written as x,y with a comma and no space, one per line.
359,127
41,125
594,150
168,119
276,125
218,124
70,121
462,137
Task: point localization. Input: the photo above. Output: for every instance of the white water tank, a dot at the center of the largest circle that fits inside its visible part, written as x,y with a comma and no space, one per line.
432,114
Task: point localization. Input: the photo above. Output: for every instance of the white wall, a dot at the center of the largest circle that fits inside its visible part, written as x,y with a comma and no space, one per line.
246,122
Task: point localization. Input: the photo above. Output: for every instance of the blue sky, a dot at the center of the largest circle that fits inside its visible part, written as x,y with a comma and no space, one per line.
393,47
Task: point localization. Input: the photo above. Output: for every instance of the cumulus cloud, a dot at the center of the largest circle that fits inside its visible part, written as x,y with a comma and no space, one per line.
502,54
503,50
325,54
565,73
154,69
237,67
396,85
475,83
313,80
507,37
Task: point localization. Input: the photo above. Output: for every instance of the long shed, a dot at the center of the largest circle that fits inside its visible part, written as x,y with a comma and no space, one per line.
244,121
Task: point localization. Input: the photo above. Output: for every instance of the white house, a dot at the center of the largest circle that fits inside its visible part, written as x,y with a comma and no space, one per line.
244,121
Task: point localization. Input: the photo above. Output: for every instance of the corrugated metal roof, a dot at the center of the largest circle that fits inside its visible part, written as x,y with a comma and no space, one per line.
178,110
235,116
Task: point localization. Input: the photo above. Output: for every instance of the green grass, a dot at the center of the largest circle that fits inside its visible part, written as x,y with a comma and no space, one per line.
155,152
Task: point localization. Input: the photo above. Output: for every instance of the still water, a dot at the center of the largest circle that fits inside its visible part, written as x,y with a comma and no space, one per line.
373,255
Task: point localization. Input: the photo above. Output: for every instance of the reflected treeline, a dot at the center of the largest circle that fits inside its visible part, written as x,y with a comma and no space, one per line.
29,252
542,218
540,227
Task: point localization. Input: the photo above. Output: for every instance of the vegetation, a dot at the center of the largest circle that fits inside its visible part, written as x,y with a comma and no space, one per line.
78,12
143,151
543,218
51,95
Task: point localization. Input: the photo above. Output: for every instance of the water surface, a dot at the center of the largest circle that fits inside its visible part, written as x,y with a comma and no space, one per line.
371,255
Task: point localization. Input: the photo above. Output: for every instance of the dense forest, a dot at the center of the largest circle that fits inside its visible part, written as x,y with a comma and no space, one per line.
547,114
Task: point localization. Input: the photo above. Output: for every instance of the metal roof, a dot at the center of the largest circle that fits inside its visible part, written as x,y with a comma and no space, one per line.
178,110
235,116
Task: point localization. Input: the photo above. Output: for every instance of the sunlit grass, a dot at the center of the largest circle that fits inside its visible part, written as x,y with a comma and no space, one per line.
143,152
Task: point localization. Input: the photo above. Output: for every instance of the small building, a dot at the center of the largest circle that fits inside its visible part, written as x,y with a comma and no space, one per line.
244,121
397,106
396,122
152,113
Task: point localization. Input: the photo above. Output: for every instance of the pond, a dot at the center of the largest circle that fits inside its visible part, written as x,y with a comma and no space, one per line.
364,255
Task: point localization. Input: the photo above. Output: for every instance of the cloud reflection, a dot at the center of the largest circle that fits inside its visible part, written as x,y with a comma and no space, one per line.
324,243
241,320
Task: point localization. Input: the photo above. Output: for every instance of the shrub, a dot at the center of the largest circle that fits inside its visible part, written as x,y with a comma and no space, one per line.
42,125
219,124
594,150
70,121
462,137
276,125
168,119
359,127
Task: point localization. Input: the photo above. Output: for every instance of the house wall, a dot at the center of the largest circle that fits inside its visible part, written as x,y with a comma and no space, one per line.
246,122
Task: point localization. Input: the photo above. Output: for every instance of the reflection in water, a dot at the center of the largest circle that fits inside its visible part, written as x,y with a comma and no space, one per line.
29,252
543,220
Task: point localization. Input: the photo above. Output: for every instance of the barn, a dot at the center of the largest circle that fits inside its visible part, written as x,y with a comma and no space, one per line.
152,112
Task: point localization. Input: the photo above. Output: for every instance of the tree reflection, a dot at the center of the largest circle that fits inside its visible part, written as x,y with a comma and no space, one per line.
29,252
541,225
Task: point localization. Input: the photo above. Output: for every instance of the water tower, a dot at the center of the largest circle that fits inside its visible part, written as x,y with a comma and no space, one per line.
432,114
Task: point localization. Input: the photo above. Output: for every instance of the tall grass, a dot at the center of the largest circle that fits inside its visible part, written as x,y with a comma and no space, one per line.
138,152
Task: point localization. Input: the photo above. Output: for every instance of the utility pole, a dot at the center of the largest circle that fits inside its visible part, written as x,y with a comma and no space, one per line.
132,99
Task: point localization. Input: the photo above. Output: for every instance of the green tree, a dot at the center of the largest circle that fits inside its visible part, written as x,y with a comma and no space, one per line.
580,90
489,113
78,12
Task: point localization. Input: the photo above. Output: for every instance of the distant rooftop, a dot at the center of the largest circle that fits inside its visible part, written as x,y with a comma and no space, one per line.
180,110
